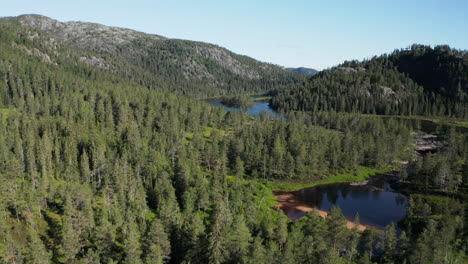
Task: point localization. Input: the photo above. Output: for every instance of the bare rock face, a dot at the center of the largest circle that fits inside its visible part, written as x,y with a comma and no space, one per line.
193,69
40,22
94,61
35,52
351,70
86,35
224,59
347,69
366,92
387,91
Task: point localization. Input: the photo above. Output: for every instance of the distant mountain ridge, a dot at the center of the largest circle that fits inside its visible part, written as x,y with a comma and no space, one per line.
304,71
187,67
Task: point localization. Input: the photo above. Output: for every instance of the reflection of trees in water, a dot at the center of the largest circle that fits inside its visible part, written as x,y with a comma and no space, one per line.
360,193
332,193
311,196
379,182
375,206
375,194
345,190
400,199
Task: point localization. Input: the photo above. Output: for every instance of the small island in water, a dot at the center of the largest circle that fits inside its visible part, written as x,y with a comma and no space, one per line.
238,101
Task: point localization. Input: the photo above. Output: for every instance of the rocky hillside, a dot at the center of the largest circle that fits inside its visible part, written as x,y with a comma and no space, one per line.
188,67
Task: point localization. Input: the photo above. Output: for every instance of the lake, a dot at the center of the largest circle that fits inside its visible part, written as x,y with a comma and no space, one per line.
377,204
255,109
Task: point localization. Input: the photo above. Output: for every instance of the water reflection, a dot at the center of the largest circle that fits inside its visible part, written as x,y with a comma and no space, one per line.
256,108
376,204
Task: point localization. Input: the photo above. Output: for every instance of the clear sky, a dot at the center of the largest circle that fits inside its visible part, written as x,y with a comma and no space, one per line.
292,33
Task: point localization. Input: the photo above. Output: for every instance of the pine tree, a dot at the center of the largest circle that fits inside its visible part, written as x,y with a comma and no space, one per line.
389,244
131,242
257,253
157,246
281,231
239,239
423,252
37,253
85,171
217,237
336,227
353,239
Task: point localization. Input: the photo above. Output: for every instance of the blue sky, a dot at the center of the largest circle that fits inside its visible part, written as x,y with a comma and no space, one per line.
292,33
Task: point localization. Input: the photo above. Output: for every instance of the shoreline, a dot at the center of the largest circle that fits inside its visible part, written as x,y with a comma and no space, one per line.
287,200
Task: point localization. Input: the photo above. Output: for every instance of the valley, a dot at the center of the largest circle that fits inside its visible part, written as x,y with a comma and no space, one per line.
110,152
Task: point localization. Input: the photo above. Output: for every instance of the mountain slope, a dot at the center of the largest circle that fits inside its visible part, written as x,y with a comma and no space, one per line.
416,81
192,68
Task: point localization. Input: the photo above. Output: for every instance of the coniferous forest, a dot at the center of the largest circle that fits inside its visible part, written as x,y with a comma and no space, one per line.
419,80
109,157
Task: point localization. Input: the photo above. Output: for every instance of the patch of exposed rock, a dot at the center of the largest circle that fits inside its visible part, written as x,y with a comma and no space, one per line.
361,183
193,69
387,91
366,92
35,52
351,70
94,61
223,58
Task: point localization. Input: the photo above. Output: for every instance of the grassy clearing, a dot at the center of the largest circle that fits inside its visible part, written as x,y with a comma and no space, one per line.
435,120
263,98
206,134
357,175
432,199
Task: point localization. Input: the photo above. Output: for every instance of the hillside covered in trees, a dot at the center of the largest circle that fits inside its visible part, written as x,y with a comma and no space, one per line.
417,81
189,68
97,166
